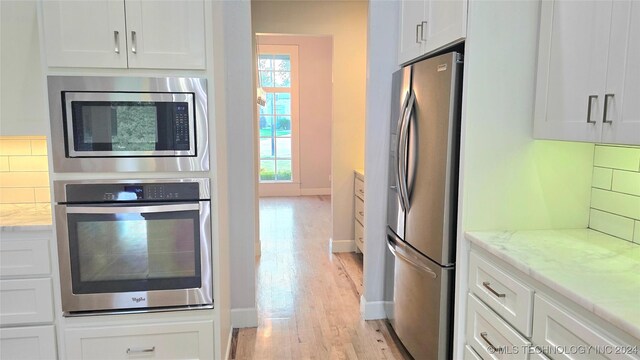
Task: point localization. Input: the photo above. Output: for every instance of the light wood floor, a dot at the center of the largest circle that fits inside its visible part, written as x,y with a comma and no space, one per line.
308,298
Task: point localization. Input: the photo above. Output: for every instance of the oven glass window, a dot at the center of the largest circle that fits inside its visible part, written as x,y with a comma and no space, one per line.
134,251
128,126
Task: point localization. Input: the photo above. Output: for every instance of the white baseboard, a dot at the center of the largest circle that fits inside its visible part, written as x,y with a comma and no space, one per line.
278,189
372,310
244,318
338,246
228,354
315,191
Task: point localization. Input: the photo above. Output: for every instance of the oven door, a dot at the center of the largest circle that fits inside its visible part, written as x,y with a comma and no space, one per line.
115,257
129,124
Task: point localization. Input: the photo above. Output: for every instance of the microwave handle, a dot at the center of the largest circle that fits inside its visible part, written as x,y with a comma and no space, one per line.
131,209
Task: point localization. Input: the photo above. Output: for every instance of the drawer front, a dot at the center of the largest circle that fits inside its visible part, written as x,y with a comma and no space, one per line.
359,210
486,329
192,340
359,233
19,257
556,328
505,295
470,354
26,301
359,188
33,342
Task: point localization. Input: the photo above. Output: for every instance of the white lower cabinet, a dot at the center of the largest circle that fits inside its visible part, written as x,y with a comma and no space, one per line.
532,325
32,342
490,336
558,331
25,301
186,340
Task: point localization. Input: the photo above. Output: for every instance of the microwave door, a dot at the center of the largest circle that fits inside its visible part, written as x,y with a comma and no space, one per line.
129,124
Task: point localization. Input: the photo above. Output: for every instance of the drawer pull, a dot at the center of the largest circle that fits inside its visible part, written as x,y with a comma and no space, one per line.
488,286
141,350
492,347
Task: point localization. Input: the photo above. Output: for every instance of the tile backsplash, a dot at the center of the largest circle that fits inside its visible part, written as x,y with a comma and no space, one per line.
24,175
615,192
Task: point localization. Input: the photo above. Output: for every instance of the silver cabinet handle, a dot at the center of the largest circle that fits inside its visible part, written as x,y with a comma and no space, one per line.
418,31
116,40
606,107
133,42
484,337
422,26
141,350
591,98
488,286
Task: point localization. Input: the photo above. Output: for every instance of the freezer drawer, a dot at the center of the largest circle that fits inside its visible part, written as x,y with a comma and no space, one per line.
422,303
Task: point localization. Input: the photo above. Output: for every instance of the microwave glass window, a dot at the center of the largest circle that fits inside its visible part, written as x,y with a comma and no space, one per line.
134,251
129,127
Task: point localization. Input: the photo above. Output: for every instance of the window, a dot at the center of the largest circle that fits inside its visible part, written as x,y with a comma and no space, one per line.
277,121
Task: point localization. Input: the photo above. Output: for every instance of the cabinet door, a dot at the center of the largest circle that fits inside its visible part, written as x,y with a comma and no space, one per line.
447,23
31,342
412,31
622,119
166,34
85,33
572,62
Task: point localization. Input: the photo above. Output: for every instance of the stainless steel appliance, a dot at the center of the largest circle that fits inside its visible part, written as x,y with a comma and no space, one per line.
128,124
126,245
422,198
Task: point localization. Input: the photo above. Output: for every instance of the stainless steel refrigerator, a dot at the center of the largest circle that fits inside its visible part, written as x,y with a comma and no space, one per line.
422,198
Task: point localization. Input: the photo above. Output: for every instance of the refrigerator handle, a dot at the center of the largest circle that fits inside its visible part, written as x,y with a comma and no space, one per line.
391,243
398,145
404,142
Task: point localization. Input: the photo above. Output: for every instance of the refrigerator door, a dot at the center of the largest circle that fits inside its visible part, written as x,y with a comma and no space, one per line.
432,146
422,302
399,98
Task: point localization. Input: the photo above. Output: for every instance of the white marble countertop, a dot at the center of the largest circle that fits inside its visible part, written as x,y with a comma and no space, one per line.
597,271
25,217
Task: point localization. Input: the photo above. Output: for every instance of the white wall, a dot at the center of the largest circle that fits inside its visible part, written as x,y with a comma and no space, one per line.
315,104
346,21
22,96
381,63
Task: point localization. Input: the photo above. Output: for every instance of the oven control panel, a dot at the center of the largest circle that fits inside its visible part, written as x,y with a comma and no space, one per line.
132,192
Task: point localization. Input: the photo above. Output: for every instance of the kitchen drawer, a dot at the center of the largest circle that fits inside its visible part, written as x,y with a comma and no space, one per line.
359,231
188,340
485,329
26,301
23,257
507,296
359,188
470,354
359,210
554,327
33,342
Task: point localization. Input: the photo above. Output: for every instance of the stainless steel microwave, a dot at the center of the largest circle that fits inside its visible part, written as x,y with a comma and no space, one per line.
128,124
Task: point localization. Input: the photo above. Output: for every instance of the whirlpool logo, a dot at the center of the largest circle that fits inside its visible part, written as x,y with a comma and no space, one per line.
138,299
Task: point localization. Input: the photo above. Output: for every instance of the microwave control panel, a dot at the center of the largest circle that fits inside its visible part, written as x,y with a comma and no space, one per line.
181,126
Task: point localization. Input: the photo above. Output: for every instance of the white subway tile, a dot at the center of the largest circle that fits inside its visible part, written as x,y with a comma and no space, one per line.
28,163
627,182
616,203
611,224
617,157
15,147
602,178
16,195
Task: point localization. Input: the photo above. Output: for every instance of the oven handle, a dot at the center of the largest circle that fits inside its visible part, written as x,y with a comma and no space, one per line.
131,209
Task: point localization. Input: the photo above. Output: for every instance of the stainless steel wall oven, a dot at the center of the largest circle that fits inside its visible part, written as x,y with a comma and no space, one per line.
128,123
126,245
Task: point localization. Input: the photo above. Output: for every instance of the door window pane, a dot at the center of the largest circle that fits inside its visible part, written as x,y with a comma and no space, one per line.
267,170
265,62
267,148
266,125
283,104
284,170
283,126
283,147
266,78
282,79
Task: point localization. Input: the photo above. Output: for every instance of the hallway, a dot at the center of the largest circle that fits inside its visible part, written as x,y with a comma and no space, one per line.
308,305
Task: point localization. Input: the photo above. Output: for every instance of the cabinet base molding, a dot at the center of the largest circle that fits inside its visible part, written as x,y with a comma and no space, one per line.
244,317
338,246
373,310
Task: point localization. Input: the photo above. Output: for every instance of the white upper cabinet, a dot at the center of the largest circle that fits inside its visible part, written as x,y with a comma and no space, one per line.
85,33
157,34
622,92
426,26
588,55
